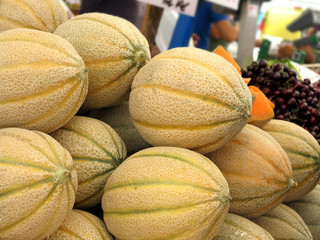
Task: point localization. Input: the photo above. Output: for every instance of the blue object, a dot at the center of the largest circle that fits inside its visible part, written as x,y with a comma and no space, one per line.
200,24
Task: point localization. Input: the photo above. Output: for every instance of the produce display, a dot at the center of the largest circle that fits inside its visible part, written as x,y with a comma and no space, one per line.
100,141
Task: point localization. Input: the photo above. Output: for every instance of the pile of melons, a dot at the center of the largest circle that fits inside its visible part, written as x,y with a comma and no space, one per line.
171,147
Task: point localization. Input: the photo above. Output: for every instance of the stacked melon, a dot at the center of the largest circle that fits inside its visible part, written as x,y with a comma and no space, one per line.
197,170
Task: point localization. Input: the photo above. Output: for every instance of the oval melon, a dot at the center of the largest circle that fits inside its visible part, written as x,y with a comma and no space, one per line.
96,150
43,80
34,14
81,225
303,151
239,228
113,50
37,184
165,193
257,170
190,98
284,223
119,119
308,207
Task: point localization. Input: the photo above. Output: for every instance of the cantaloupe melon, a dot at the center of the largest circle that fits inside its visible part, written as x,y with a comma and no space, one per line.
308,207
303,151
43,80
113,50
190,98
284,223
81,225
119,119
257,170
37,184
239,228
165,193
34,14
97,150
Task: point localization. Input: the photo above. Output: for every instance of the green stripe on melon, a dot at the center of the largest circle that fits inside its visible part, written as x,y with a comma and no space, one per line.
303,151
165,193
113,50
37,184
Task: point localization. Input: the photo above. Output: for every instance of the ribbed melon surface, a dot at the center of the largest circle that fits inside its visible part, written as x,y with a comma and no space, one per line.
303,151
257,170
37,184
239,228
97,150
191,98
43,80
308,207
81,225
45,15
165,193
113,50
119,119
284,223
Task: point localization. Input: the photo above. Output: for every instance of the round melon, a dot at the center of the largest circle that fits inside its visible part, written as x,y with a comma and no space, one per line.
257,170
190,98
43,80
37,184
119,119
165,193
239,228
34,14
284,223
81,225
113,49
308,207
97,150
303,151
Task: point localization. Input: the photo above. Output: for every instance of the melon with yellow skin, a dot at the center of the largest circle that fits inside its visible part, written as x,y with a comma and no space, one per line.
165,193
190,98
113,50
257,170
43,80
34,14
303,151
81,225
37,184
97,150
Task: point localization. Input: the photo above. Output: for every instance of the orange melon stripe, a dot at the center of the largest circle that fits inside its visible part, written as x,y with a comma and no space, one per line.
93,223
15,23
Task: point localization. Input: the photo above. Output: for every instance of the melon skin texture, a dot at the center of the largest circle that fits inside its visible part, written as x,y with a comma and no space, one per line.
236,227
308,208
81,225
97,150
37,184
165,193
257,170
284,223
33,14
119,119
190,98
113,49
303,151
43,80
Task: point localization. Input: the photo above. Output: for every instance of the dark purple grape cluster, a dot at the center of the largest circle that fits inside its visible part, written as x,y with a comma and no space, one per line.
295,100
